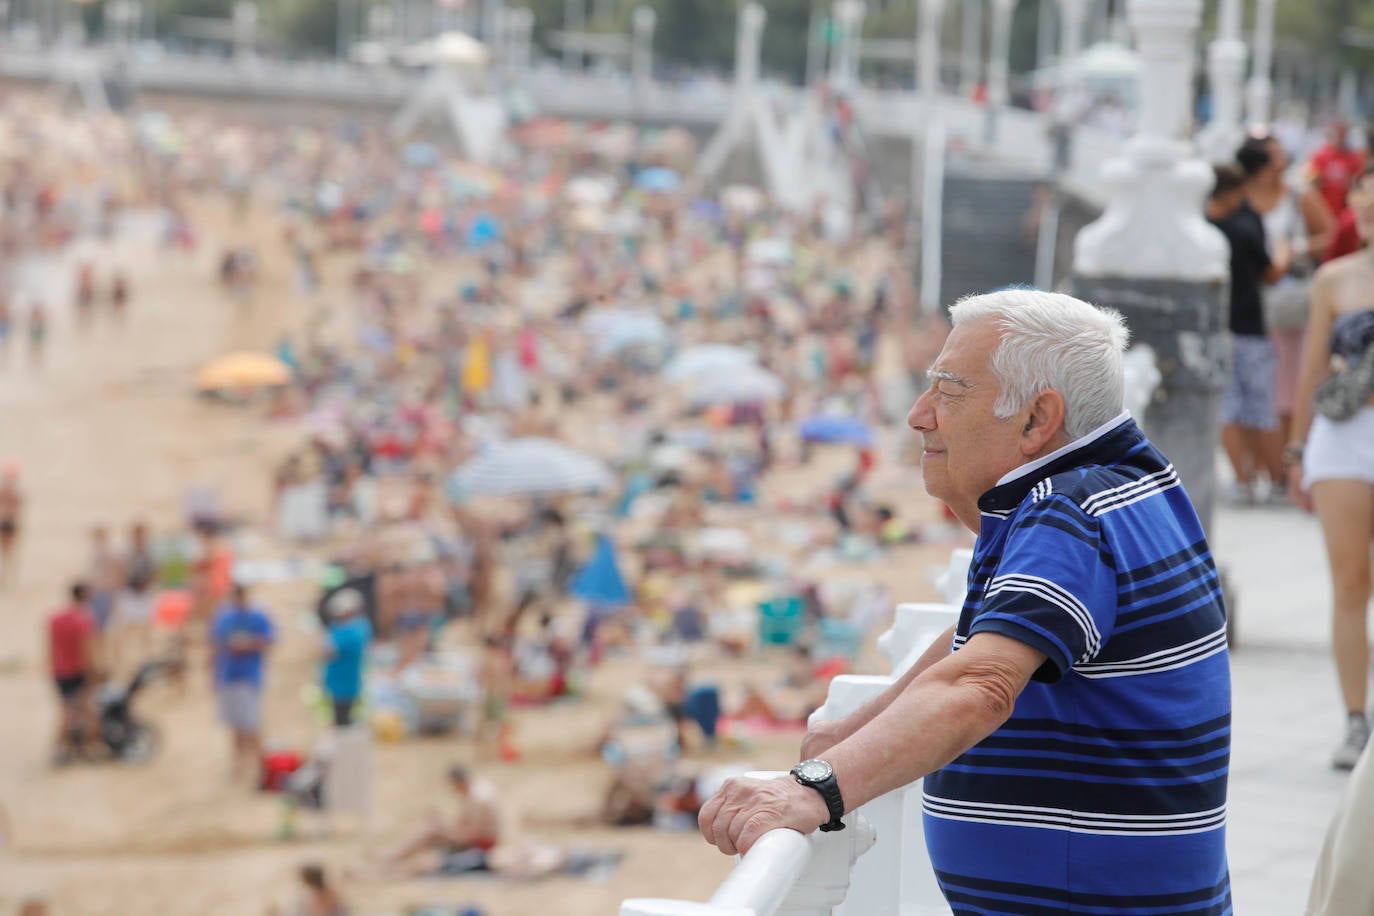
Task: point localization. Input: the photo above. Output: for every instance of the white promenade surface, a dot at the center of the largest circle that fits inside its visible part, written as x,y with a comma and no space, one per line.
1287,710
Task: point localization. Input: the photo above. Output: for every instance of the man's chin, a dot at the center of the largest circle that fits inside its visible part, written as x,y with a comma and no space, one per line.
932,483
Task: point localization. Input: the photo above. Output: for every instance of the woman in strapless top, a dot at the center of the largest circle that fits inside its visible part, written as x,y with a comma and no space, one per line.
1331,463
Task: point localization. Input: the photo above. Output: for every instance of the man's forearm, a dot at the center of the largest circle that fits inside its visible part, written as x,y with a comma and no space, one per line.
945,710
870,710
922,731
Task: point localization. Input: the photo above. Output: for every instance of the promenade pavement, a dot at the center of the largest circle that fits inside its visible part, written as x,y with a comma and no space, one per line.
1287,711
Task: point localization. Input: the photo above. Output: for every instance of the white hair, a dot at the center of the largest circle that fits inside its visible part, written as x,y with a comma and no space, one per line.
1050,340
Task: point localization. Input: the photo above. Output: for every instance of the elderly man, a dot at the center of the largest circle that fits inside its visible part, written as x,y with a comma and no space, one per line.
1074,726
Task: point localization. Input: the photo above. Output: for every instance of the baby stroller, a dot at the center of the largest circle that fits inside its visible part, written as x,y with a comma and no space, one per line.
125,737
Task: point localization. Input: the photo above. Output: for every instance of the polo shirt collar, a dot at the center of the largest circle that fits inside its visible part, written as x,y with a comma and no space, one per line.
1101,446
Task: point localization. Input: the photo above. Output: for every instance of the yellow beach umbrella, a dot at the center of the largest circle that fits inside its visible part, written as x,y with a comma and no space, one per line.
242,371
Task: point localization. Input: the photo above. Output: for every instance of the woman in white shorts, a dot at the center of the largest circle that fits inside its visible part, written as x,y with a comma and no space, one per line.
1332,462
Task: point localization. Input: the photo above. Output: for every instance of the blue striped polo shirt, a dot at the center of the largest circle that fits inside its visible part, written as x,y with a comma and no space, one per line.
1105,792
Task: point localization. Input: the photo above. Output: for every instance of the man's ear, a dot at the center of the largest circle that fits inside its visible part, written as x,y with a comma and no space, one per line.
1044,426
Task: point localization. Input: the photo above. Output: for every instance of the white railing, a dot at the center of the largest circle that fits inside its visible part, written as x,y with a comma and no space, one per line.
829,874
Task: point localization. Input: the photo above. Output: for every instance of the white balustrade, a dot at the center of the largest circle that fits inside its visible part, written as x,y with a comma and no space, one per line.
783,874
828,874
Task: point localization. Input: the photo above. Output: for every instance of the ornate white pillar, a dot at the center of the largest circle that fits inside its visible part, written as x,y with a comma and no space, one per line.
971,53
844,65
1153,226
523,26
574,18
1072,16
1045,34
748,37
999,55
1348,94
1153,256
1259,92
928,54
1220,139
245,23
642,49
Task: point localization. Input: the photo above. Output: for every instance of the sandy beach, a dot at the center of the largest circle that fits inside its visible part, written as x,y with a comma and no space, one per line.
107,431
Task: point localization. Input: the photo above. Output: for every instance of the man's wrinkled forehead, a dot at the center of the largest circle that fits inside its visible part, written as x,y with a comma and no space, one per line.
967,355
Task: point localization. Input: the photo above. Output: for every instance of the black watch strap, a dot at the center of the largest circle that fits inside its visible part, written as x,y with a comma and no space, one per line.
829,788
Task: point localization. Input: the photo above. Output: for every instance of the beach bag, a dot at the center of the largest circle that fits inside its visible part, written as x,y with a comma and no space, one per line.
1342,395
1287,303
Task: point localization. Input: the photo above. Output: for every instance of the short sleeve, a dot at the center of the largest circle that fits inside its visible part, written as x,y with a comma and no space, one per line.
217,630
1054,588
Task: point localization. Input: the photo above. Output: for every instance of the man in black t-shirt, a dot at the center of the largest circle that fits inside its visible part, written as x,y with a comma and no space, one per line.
1249,421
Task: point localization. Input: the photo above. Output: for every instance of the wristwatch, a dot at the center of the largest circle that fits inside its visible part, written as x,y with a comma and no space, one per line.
820,776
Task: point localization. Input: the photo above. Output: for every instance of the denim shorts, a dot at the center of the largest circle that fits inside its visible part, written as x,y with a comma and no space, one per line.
1249,397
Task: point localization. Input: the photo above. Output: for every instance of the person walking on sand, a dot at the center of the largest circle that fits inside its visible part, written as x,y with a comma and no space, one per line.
38,332
119,294
240,637
73,640
345,651
11,514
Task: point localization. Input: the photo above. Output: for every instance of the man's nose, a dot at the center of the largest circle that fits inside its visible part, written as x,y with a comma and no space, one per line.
922,414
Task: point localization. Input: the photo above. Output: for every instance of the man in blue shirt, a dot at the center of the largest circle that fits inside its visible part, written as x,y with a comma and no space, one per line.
1074,725
345,652
240,636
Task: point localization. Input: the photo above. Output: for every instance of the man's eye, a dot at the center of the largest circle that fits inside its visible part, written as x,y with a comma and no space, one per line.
948,387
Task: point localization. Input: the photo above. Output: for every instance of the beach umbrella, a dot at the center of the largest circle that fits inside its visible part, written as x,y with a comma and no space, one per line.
484,230
600,582
451,49
242,371
770,252
707,359
707,209
590,190
836,428
420,155
745,385
617,329
659,180
743,199
531,466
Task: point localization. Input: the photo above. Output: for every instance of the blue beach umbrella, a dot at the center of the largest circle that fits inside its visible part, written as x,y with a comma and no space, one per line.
831,428
600,582
420,155
658,180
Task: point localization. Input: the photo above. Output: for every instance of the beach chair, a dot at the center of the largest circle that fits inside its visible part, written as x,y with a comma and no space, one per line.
838,639
780,621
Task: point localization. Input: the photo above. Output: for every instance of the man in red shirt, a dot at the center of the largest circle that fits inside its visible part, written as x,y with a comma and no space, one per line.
1334,165
72,635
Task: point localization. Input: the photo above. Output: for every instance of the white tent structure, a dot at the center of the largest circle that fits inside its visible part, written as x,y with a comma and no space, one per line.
457,65
801,165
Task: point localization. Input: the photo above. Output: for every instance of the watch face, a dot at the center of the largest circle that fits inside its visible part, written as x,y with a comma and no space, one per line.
814,770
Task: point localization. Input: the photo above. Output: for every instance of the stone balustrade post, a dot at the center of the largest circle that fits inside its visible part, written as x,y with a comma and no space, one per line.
748,40
844,64
971,46
999,58
642,50
1222,136
1259,92
1153,256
